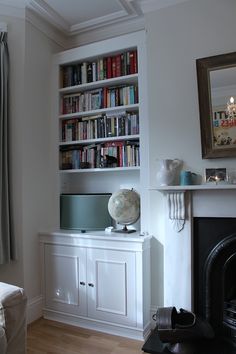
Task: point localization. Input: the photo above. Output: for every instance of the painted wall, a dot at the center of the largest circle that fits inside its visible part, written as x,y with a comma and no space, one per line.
176,37
32,178
37,146
13,272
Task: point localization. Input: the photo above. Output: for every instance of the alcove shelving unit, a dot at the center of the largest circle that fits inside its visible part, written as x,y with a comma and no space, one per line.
94,113
101,118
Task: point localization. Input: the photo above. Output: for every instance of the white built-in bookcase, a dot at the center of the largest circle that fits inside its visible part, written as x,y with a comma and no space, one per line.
98,180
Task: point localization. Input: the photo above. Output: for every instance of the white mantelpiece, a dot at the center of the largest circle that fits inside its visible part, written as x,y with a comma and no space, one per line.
200,201
197,187
176,200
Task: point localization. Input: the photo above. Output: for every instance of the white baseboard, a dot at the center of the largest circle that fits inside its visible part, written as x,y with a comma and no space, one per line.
100,326
34,309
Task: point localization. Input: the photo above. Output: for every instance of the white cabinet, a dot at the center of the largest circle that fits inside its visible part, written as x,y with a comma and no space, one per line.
100,281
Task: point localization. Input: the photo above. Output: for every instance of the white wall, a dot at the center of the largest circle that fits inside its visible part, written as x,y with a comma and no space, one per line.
37,146
13,272
30,105
176,37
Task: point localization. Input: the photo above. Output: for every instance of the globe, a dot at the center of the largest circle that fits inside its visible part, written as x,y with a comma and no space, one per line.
124,207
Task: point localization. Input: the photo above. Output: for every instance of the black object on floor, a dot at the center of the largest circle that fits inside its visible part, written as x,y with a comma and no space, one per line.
153,345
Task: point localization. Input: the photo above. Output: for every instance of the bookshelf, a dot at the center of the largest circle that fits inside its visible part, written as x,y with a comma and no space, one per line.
107,116
103,105
101,116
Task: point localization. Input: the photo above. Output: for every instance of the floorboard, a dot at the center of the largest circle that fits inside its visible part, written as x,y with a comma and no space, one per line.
49,337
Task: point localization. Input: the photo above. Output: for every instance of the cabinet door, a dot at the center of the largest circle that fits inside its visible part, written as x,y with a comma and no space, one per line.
65,279
111,286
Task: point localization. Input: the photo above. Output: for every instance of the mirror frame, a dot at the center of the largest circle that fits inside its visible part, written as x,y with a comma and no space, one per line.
204,66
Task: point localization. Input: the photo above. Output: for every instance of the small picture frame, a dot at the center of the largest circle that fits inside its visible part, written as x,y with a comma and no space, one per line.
216,175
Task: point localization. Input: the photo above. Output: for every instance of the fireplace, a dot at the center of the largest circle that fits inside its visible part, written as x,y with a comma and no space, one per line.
214,279
200,263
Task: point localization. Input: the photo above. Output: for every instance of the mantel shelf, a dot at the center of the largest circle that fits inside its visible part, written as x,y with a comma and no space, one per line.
199,187
176,199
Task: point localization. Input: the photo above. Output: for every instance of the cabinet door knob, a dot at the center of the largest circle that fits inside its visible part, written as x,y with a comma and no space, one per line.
91,284
82,283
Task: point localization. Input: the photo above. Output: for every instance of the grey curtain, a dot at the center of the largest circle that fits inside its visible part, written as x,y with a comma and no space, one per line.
7,242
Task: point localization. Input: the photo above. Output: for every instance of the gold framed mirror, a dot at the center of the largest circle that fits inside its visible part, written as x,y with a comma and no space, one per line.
216,77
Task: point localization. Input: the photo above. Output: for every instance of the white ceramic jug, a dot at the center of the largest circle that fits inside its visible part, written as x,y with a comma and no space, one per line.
167,171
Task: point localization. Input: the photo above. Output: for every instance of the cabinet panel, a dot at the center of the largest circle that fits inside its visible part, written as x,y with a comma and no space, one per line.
111,296
65,278
112,301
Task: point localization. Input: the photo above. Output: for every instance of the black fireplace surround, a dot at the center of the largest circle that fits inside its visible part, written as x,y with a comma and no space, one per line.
214,259
214,285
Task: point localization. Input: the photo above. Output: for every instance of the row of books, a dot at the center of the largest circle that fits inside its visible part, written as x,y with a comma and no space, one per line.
110,154
101,126
101,69
98,99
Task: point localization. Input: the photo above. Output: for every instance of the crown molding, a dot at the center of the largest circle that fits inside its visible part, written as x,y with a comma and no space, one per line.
129,10
108,31
130,6
41,8
153,5
97,22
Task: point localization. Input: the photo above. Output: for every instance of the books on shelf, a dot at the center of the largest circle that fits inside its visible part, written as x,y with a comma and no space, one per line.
110,136
105,97
108,67
104,155
100,126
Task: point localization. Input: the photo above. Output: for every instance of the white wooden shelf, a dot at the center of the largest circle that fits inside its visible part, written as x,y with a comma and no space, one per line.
100,140
113,169
128,108
207,186
127,79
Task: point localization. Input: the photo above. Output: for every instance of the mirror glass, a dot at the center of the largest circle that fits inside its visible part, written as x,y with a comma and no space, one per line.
222,89
216,77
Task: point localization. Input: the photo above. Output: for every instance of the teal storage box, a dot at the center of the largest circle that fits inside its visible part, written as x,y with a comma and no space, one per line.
84,212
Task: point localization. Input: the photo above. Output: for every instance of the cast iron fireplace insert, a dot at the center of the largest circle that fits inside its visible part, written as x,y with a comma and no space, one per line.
214,251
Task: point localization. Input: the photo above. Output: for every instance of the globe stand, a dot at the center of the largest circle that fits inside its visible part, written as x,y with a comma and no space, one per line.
125,230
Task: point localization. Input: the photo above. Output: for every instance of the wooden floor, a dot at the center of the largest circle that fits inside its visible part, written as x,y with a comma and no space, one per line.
49,337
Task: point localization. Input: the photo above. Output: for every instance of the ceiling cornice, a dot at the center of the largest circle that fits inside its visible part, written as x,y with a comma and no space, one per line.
153,5
130,10
109,31
51,16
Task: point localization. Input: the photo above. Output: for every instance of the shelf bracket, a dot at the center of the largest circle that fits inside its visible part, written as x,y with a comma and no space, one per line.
176,208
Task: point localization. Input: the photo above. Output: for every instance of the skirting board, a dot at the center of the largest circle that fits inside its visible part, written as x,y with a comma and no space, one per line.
34,309
123,331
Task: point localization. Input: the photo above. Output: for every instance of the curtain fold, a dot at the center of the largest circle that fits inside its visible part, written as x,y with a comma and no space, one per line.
7,241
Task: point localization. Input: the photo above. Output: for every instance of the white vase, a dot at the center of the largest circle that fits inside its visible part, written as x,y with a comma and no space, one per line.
167,171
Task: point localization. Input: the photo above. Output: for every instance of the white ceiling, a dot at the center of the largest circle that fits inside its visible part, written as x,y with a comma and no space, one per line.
76,16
